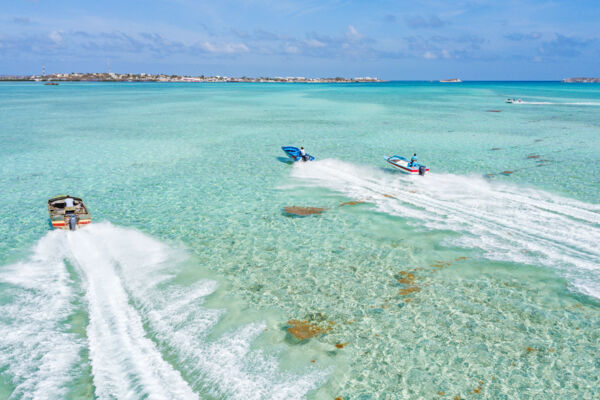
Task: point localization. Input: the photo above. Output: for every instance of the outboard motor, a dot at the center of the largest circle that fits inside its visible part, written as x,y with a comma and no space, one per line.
72,222
422,170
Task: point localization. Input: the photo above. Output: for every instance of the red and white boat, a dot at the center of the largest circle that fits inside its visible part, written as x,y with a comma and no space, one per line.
406,166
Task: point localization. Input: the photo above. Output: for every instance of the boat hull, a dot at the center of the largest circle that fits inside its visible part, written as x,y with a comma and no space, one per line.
64,223
403,165
294,154
61,216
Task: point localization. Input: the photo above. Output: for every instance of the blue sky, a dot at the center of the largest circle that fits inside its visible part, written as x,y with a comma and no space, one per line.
420,39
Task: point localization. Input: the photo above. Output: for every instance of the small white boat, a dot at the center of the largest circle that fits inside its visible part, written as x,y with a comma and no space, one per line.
406,166
514,101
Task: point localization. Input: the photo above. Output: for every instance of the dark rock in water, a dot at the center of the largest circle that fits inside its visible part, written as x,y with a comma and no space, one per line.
405,277
494,110
351,203
408,290
538,140
303,211
305,330
496,148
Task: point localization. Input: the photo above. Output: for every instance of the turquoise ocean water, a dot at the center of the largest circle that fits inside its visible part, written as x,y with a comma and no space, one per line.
479,280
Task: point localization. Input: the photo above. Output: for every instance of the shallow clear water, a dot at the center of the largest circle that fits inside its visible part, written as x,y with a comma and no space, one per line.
480,280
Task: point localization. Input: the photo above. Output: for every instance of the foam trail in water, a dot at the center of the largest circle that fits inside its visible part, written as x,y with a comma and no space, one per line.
576,103
125,363
36,348
507,222
226,367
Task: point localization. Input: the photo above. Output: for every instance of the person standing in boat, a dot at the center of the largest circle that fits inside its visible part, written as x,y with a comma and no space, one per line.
69,205
303,154
413,160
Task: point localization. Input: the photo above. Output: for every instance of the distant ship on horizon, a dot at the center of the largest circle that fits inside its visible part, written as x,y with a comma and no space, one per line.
455,80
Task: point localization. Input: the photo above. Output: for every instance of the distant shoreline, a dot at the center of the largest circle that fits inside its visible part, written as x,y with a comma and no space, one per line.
113,77
132,78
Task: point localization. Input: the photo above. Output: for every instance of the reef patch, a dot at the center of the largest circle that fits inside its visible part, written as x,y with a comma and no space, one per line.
352,203
305,330
303,211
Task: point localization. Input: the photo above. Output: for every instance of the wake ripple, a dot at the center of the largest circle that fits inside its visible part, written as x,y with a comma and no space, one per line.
550,103
125,363
224,368
129,290
36,349
507,222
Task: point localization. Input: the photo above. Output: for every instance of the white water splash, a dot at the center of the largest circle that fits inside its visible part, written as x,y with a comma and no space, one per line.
128,286
507,222
226,367
36,347
125,362
576,103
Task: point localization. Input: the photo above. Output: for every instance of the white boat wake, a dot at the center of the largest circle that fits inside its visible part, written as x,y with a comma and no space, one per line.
507,222
36,347
137,314
575,103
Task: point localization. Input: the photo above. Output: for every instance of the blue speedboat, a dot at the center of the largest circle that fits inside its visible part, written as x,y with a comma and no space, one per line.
404,165
294,154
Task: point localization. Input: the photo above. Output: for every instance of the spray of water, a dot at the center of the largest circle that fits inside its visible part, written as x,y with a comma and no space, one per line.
36,348
507,222
137,314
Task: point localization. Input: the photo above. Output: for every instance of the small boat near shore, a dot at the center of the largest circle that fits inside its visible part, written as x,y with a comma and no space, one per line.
67,217
404,165
514,101
294,154
51,84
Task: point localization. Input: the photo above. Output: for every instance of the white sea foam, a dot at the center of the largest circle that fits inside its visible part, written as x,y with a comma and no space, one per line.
125,362
226,367
128,286
36,348
507,222
575,103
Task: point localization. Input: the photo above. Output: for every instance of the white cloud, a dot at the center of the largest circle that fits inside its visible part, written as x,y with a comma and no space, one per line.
446,54
292,49
56,37
227,48
353,34
315,43
429,55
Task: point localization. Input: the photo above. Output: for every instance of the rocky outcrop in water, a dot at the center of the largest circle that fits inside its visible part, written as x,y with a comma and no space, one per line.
302,211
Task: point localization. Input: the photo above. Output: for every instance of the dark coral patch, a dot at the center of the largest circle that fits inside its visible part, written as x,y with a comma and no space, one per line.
406,278
305,330
408,290
303,211
351,203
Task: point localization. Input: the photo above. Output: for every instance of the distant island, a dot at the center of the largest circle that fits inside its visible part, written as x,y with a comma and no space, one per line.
455,80
113,77
581,80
